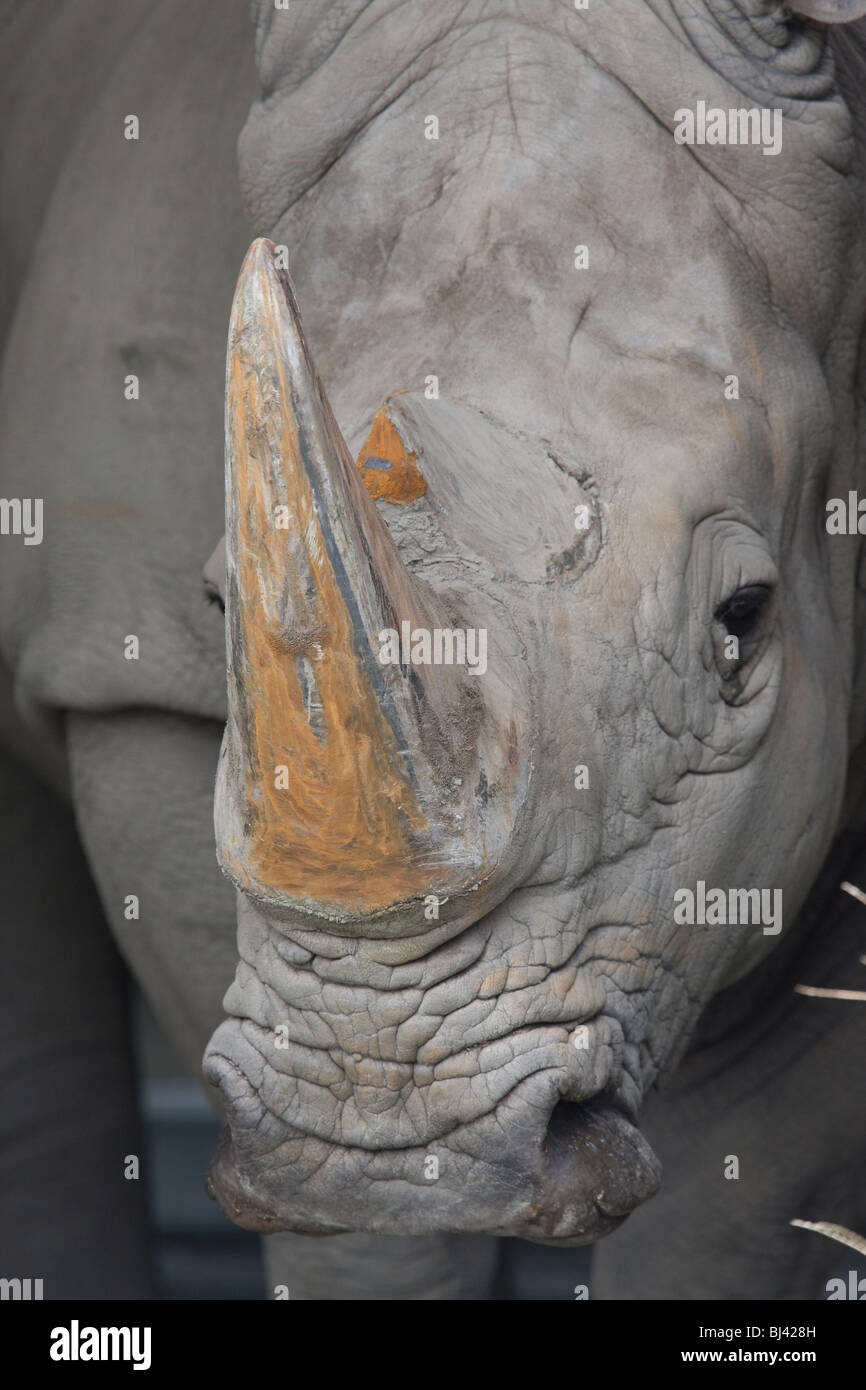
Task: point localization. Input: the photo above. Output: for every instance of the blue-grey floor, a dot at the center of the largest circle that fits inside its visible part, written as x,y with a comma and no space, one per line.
200,1253
203,1256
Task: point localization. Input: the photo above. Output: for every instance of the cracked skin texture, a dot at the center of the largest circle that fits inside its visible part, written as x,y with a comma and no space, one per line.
463,1067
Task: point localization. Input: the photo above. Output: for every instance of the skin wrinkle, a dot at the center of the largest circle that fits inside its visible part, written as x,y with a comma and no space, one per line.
475,973
411,1001
372,113
483,1078
512,1025
756,38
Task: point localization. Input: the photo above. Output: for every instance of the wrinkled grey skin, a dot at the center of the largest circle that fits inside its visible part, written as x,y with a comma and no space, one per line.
454,257
696,772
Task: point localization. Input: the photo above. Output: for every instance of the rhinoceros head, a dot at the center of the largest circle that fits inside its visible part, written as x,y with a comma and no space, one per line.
534,743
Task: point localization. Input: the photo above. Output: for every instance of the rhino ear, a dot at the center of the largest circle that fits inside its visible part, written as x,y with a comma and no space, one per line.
829,11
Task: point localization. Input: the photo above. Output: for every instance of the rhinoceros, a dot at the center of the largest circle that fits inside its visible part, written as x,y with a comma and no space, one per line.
541,766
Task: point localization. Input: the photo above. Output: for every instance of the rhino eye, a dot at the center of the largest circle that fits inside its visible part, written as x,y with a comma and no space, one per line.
739,631
741,613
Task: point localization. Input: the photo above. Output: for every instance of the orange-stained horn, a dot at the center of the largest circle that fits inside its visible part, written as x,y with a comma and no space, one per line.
335,767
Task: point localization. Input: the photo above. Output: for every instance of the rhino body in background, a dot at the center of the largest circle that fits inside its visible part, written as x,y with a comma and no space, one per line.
516,1037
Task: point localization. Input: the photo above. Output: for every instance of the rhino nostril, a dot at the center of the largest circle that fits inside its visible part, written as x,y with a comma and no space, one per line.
596,1145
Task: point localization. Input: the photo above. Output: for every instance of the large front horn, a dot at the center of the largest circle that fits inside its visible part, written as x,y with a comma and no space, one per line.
347,787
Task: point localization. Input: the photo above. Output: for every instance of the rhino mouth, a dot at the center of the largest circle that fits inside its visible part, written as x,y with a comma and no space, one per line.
588,1171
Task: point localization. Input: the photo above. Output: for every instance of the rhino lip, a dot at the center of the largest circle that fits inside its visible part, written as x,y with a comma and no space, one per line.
595,1169
237,1202
598,1168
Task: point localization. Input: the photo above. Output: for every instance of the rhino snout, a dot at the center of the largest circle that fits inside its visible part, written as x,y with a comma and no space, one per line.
462,1105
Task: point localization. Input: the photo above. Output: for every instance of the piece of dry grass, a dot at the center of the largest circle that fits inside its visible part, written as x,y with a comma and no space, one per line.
834,1232
857,994
831,993
841,1234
